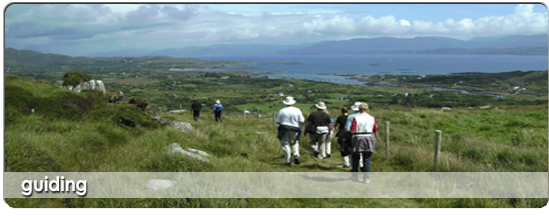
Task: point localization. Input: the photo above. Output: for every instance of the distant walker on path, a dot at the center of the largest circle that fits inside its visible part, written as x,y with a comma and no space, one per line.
289,131
195,109
217,109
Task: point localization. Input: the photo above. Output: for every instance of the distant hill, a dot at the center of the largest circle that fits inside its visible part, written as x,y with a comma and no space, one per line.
519,45
505,45
14,57
213,50
225,49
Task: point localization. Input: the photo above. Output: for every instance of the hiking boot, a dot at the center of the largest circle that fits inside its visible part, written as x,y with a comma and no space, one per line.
367,181
296,160
288,164
328,155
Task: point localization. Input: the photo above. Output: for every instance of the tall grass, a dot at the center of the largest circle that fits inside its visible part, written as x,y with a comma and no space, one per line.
473,141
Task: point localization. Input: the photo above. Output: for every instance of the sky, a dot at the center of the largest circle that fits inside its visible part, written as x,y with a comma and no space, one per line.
80,29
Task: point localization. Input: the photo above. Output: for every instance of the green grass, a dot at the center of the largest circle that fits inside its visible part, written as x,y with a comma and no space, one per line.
510,139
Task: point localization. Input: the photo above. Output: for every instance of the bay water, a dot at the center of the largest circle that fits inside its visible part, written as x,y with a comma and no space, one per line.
337,68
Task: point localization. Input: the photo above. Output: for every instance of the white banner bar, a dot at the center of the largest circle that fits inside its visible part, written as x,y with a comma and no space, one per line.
276,185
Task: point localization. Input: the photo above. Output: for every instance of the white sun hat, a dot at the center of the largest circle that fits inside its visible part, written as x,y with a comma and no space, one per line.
355,107
321,105
289,100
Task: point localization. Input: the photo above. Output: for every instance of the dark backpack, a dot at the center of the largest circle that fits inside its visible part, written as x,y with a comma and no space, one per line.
346,143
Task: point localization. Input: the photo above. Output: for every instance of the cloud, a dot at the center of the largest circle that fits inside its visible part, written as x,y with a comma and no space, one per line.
109,27
522,21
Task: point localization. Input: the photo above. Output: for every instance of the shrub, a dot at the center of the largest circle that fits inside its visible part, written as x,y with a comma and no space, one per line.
74,78
139,102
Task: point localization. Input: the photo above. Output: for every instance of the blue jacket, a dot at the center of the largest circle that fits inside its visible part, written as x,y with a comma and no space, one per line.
217,105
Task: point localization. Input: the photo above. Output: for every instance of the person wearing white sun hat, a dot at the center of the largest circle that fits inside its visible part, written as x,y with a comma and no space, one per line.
218,109
318,125
289,131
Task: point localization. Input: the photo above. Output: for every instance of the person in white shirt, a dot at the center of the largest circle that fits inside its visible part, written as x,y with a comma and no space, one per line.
364,129
289,131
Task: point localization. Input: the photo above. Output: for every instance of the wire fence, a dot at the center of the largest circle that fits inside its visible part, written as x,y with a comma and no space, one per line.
458,150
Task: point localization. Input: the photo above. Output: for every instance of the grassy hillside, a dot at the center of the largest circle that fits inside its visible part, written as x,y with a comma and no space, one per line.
82,132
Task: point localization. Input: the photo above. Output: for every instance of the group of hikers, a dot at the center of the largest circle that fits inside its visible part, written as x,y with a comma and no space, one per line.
356,134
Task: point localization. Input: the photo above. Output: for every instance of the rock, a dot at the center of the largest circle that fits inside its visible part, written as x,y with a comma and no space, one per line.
158,119
89,85
185,127
199,152
116,96
175,149
159,184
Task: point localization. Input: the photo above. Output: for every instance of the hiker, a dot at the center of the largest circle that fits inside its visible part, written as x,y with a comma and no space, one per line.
217,109
289,131
318,126
329,137
340,122
195,109
364,129
347,136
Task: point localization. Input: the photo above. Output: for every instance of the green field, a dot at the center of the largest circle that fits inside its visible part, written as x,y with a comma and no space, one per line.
71,132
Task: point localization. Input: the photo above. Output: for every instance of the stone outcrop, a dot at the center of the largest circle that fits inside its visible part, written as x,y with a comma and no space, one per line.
89,85
199,152
175,150
183,126
158,119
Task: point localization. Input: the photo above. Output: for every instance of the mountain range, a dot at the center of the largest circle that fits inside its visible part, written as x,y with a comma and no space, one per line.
514,45
506,45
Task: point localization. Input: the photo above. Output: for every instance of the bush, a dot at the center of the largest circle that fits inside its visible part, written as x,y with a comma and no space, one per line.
139,102
74,78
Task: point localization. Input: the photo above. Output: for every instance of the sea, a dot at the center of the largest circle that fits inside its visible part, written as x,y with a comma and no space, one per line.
338,68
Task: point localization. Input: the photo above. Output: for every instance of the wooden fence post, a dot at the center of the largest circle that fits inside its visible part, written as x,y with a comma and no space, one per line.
274,118
387,139
438,145
160,110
